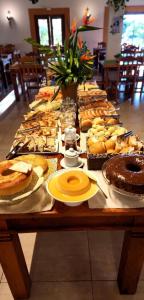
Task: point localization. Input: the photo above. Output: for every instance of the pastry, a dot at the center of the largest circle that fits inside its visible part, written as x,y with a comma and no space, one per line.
85,125
112,121
109,144
35,160
97,148
12,182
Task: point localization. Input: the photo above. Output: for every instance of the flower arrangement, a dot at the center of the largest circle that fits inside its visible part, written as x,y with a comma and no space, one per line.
74,64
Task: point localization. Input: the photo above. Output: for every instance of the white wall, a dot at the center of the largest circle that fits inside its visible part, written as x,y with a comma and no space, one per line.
21,29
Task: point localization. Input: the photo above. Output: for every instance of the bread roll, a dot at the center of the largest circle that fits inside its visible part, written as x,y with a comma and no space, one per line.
109,144
97,148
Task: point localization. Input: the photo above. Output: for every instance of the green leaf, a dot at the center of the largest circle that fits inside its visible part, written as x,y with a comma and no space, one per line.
68,79
65,46
56,69
76,62
88,67
75,79
87,28
68,71
56,93
90,62
71,57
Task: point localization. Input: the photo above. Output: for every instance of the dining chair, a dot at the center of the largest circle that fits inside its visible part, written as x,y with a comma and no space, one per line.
1,49
27,59
140,80
128,53
32,75
128,73
101,45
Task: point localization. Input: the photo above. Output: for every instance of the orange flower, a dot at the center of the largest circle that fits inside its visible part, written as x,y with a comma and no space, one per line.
73,27
86,57
87,18
80,43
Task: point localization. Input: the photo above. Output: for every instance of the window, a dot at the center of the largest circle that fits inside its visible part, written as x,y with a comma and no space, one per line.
43,31
50,30
133,30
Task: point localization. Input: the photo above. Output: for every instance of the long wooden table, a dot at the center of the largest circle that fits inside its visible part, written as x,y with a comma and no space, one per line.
62,217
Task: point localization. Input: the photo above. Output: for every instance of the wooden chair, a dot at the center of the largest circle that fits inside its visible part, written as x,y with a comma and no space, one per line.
1,49
32,76
101,45
128,73
128,53
126,46
140,80
28,59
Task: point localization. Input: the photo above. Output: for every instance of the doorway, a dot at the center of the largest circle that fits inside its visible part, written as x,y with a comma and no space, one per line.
50,30
50,26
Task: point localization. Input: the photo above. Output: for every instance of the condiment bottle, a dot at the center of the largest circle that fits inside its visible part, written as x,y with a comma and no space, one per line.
70,138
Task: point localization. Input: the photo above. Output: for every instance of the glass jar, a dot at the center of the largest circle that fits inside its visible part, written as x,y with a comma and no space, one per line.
70,138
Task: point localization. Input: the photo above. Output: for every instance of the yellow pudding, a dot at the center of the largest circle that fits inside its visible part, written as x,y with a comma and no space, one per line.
79,194
73,183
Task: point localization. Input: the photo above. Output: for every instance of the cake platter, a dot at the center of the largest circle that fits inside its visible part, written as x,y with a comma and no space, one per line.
36,183
117,192
70,200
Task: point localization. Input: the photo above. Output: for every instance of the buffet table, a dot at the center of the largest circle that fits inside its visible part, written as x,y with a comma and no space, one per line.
62,217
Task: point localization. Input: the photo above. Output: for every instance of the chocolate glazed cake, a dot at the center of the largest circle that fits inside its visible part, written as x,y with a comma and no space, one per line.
126,172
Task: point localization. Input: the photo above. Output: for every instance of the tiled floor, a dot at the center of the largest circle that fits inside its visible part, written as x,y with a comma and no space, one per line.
71,265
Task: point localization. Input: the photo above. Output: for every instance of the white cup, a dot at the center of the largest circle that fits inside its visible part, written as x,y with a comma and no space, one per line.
71,157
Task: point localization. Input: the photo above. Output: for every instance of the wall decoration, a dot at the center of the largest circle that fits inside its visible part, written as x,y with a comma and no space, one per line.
116,24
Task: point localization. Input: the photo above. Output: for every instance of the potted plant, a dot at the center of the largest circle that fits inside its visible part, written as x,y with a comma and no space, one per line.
74,64
117,4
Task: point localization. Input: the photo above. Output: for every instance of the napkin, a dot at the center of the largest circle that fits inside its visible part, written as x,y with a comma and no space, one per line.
21,167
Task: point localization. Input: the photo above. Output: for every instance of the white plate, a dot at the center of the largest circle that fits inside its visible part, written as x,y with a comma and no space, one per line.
69,203
35,184
63,137
79,165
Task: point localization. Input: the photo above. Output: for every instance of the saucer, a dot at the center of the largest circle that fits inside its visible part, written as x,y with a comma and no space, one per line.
63,137
79,165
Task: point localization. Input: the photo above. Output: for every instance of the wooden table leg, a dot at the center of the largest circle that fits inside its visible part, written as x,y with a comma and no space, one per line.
14,266
132,258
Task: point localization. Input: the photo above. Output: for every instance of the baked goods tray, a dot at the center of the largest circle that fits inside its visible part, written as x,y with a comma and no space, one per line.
95,162
20,150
